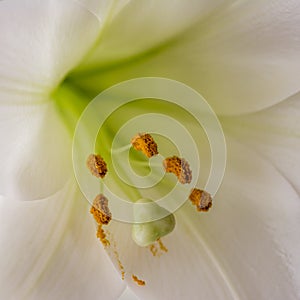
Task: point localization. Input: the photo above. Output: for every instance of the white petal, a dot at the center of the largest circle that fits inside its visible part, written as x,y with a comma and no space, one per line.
128,295
41,41
246,247
49,250
35,151
253,228
186,271
136,26
244,56
275,134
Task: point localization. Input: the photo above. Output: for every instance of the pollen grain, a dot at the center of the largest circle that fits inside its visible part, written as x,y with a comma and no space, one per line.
137,280
153,249
201,199
100,210
102,236
116,255
158,248
96,165
145,143
162,246
180,167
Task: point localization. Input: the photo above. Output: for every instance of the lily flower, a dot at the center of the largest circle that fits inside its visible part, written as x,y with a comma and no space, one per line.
242,56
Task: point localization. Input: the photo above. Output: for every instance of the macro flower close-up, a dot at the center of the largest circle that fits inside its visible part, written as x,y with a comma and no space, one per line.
109,190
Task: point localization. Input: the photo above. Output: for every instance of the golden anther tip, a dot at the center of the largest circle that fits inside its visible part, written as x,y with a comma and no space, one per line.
201,199
96,165
180,167
145,143
100,210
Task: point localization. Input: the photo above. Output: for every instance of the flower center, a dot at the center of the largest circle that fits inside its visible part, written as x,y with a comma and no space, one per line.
103,121
147,233
143,233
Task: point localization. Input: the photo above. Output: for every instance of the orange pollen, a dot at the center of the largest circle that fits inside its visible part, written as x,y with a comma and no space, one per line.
96,165
201,199
180,167
121,267
162,246
145,143
116,254
102,236
153,249
100,210
158,248
138,281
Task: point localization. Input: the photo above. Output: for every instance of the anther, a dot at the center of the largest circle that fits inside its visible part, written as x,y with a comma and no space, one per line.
201,199
145,143
180,167
96,165
100,210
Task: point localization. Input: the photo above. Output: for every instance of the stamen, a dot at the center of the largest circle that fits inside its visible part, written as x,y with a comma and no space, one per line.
100,210
201,199
97,165
138,281
180,167
145,143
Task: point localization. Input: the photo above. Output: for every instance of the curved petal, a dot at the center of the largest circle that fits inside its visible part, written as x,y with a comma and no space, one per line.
134,27
243,57
246,247
253,228
40,42
128,295
49,251
35,151
274,133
